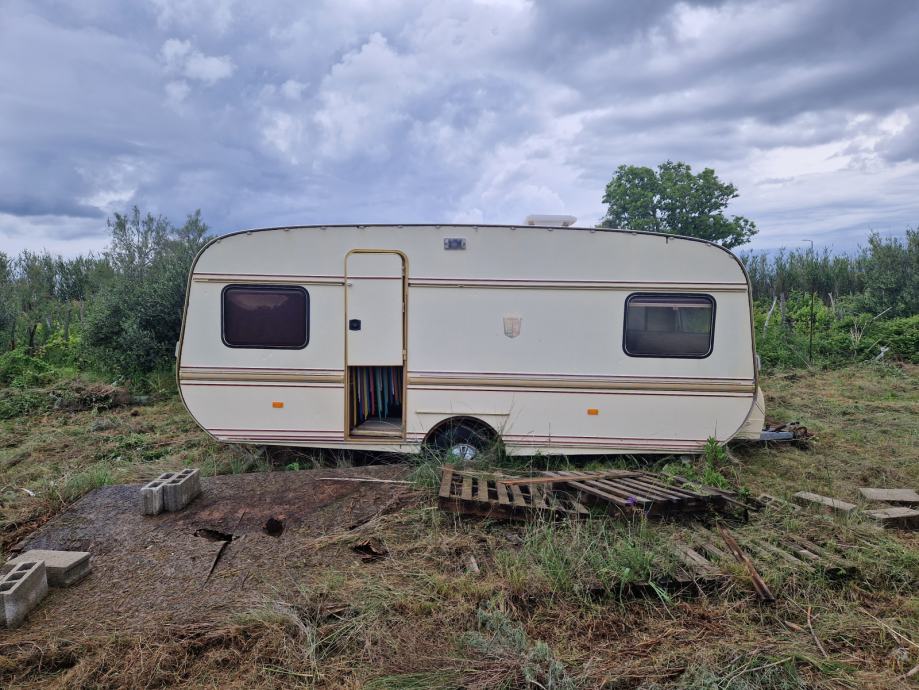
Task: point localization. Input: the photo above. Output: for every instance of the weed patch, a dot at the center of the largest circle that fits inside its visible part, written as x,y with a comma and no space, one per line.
508,658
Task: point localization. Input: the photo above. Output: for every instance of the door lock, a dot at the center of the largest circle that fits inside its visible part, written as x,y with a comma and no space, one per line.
354,325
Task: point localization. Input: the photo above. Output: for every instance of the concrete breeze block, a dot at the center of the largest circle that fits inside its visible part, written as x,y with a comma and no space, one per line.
179,491
63,568
20,591
151,494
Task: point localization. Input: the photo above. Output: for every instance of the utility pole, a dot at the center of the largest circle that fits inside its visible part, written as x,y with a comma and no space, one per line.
810,345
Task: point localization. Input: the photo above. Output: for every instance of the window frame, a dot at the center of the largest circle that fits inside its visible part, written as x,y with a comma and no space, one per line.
639,295
260,286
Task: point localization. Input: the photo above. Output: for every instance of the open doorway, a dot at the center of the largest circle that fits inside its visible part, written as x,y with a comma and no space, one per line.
375,343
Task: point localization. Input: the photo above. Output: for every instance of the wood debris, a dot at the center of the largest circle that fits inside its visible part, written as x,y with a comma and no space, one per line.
896,517
564,494
371,549
806,498
762,589
906,497
488,496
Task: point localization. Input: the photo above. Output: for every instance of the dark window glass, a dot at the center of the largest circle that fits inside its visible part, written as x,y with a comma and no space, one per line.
669,325
265,316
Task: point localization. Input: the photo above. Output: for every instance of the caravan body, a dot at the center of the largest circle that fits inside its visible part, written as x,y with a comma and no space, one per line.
559,340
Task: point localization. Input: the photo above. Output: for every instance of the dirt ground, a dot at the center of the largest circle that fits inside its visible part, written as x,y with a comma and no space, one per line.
150,571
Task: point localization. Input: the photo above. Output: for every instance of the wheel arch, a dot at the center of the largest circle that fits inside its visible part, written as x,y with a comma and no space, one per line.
470,420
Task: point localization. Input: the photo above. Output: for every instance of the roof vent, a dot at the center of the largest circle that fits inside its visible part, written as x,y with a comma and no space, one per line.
554,221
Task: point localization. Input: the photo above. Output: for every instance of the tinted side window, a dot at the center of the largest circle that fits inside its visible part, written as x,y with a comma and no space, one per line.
659,325
264,316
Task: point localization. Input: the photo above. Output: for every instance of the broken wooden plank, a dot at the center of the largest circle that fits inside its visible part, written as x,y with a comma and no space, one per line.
467,488
517,495
695,561
906,497
592,490
896,517
536,498
806,498
783,554
482,490
502,493
446,480
572,475
762,589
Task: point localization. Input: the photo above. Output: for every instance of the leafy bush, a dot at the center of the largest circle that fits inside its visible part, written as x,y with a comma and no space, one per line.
901,336
20,370
843,334
18,402
62,352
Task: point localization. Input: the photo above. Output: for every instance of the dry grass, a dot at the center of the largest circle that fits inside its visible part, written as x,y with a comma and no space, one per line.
531,617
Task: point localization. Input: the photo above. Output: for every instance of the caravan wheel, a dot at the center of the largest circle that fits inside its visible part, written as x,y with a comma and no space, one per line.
463,441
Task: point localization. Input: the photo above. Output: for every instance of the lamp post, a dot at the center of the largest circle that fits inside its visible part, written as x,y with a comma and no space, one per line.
810,345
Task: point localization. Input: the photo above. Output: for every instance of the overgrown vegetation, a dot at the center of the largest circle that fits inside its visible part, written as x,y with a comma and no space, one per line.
564,605
118,314
829,310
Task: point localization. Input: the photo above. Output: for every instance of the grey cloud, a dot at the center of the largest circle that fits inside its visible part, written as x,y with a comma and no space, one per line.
422,111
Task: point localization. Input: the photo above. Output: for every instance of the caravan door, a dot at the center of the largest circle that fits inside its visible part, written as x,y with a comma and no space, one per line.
375,308
375,284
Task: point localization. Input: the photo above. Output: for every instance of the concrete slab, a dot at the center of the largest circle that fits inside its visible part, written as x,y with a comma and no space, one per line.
20,591
181,490
896,517
63,568
806,498
147,559
906,497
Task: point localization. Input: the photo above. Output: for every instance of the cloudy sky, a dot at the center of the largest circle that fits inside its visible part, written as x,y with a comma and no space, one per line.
291,112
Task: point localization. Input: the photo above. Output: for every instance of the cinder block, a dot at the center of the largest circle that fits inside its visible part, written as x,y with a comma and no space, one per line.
63,568
179,491
20,591
151,494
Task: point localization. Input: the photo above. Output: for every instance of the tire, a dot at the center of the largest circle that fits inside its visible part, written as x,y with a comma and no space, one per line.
463,441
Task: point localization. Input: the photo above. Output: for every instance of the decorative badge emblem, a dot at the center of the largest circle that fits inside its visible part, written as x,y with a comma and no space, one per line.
512,326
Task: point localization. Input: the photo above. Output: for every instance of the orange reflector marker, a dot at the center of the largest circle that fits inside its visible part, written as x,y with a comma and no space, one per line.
277,404
593,411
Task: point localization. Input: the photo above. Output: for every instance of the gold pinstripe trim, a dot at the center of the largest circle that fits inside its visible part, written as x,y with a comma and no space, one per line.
527,284
585,383
568,383
292,376
246,278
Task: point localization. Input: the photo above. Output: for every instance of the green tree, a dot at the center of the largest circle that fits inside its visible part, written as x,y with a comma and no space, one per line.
892,274
9,311
133,324
675,201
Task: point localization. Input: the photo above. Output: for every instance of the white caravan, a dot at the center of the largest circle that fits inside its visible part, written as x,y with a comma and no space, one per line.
557,340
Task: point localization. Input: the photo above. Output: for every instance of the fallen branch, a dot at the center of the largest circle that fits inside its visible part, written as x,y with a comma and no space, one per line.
898,635
814,635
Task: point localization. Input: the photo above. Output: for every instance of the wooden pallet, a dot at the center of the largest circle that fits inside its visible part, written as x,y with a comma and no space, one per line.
640,492
479,494
704,554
